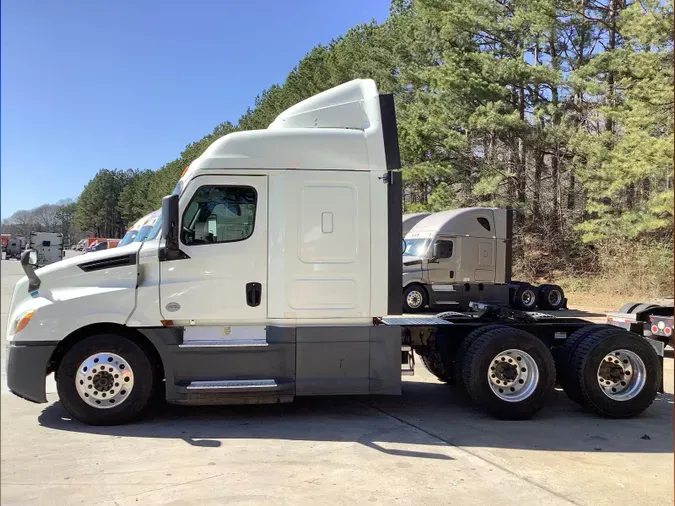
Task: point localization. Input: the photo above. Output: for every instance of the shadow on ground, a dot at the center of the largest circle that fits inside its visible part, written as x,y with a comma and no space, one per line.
427,414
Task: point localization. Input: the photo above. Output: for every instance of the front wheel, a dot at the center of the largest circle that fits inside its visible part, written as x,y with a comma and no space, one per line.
414,299
106,379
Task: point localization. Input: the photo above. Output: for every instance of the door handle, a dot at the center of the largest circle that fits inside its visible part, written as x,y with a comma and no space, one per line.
253,294
452,274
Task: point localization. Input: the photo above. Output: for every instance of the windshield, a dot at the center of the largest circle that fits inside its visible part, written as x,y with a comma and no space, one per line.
155,229
143,233
416,247
128,238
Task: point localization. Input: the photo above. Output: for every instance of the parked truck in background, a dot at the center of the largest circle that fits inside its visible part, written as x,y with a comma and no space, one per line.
48,246
134,230
454,257
410,220
15,246
5,240
277,274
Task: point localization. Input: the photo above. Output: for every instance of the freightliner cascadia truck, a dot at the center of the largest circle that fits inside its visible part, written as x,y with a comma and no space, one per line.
277,274
456,257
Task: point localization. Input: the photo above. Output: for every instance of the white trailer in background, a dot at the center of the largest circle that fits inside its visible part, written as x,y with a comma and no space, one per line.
48,245
278,274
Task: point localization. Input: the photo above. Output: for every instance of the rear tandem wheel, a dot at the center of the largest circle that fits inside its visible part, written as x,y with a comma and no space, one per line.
508,373
614,373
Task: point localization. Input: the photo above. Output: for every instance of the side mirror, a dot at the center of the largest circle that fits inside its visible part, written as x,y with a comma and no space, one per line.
32,257
436,251
170,221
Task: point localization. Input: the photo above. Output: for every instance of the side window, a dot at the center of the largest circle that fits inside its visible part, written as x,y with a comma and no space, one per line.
484,223
218,214
443,248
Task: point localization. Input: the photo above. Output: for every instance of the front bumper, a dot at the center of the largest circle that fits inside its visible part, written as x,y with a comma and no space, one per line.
27,369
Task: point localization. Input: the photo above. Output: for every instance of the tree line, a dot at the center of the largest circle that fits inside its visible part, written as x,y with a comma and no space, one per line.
560,109
59,217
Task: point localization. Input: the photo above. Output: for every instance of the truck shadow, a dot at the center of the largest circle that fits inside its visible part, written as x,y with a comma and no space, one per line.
428,417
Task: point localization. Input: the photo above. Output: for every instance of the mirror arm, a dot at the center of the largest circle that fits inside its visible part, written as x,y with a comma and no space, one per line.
33,279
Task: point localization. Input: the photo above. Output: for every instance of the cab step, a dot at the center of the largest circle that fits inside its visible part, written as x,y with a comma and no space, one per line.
232,384
227,391
231,343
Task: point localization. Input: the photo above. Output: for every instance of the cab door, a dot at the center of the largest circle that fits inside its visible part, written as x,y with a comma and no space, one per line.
443,265
221,274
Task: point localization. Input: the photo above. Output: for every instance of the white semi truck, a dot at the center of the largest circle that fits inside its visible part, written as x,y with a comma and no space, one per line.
277,273
456,257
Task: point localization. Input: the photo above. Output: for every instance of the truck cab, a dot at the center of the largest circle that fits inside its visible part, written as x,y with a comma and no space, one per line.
262,285
453,257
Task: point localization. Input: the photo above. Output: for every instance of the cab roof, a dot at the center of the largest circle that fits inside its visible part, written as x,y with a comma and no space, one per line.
328,131
459,222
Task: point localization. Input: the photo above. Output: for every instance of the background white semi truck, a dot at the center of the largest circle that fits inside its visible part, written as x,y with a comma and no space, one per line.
277,274
454,257
48,246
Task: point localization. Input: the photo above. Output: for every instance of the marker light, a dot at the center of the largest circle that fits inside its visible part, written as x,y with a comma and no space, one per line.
22,321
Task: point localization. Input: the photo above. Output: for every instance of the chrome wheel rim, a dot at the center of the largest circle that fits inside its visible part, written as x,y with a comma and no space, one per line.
414,299
622,375
513,375
104,380
554,297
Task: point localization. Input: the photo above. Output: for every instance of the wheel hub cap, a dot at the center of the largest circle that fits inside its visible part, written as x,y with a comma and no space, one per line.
104,380
414,299
622,375
513,375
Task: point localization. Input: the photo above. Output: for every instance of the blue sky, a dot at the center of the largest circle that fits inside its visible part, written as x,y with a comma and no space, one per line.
128,84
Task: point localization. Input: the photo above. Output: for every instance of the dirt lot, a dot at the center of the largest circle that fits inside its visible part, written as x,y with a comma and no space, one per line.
426,447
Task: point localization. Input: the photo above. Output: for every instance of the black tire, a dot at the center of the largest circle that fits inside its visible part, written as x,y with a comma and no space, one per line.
587,358
478,361
526,297
139,398
434,363
563,359
464,346
550,297
628,307
414,288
